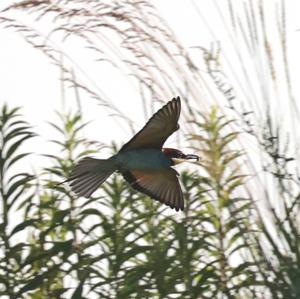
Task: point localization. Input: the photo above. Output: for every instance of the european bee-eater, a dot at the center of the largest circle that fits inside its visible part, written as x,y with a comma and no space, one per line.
142,161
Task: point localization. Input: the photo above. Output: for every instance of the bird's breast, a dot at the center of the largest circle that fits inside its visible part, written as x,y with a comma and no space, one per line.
142,159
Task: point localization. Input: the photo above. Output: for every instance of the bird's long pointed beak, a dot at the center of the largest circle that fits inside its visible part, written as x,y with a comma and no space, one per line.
191,157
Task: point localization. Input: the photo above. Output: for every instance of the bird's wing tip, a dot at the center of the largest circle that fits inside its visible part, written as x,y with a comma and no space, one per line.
176,99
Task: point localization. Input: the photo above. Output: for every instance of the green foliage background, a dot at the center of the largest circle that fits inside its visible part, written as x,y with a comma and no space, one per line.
238,236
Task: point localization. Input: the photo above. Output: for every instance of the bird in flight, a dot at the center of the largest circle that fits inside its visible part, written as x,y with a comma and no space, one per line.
142,161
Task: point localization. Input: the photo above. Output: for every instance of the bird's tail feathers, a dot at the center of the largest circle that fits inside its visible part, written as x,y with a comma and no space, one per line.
89,174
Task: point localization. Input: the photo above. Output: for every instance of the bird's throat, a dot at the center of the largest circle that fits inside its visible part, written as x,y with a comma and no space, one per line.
176,161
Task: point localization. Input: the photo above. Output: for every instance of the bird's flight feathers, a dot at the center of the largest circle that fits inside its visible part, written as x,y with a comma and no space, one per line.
159,127
162,185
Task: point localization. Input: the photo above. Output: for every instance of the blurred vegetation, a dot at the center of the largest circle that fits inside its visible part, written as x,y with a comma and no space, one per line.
239,234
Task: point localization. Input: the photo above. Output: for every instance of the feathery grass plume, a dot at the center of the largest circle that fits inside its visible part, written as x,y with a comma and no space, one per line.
130,35
271,119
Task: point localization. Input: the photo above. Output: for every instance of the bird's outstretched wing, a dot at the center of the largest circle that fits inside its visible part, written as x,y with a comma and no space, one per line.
159,127
162,185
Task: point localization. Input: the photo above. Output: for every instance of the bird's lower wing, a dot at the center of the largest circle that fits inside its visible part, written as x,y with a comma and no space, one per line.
162,185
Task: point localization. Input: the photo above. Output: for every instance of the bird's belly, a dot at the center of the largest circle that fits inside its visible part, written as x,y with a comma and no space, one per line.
142,159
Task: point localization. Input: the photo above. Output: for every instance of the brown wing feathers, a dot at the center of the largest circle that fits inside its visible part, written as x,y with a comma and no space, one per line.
160,126
159,185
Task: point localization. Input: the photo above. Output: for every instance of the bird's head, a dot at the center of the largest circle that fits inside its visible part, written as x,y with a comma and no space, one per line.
178,156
